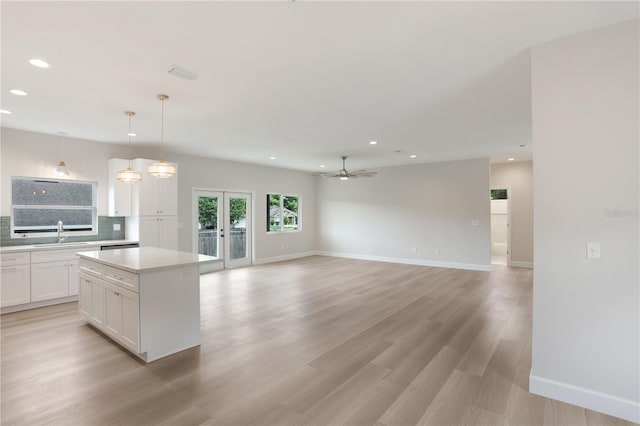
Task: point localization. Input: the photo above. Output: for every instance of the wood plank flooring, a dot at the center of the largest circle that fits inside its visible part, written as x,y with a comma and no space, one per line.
316,341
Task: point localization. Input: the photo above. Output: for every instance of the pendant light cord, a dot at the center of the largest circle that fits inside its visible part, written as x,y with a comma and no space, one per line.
162,133
129,135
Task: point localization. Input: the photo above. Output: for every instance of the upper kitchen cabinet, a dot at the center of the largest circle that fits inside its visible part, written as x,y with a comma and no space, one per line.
153,196
119,193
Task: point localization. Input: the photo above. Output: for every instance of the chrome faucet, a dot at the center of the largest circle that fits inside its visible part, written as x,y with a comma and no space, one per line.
60,229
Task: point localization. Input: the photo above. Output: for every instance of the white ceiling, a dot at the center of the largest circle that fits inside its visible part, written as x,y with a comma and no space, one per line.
302,81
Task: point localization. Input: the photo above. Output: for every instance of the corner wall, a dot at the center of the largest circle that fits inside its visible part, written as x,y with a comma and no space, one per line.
426,207
518,177
586,313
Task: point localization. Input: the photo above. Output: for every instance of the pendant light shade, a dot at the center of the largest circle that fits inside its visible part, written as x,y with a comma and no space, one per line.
161,169
62,170
129,175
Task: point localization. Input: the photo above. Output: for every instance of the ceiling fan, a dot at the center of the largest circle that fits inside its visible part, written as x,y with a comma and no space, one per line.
344,174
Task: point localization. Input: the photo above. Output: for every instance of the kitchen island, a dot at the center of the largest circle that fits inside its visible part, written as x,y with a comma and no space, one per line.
146,299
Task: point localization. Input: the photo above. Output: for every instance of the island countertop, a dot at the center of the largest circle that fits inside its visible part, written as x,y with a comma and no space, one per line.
147,259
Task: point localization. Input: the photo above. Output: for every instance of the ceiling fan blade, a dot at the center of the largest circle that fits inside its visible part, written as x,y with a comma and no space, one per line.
358,171
325,174
365,174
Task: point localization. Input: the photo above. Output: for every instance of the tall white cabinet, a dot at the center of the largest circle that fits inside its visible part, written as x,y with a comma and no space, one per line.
151,205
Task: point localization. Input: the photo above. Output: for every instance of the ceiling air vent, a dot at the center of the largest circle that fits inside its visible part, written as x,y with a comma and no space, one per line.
177,71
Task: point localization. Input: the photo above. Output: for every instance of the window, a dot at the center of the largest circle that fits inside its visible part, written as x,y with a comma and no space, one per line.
38,204
283,213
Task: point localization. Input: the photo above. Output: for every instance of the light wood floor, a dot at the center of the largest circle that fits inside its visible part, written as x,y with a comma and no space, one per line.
318,341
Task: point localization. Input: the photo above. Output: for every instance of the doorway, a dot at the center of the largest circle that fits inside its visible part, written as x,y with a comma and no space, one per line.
222,227
500,227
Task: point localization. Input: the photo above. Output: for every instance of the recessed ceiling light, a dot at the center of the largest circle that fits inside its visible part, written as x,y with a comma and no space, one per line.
272,158
39,63
522,146
322,166
373,143
510,159
5,111
412,156
18,92
131,134
62,133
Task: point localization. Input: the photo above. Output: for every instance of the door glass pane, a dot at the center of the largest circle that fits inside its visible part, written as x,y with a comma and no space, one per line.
208,226
238,231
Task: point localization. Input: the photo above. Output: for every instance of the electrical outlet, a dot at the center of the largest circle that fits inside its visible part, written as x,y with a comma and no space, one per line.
593,250
116,226
475,222
437,251
414,250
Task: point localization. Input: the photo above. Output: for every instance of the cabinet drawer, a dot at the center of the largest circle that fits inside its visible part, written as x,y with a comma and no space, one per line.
13,259
92,268
123,279
54,255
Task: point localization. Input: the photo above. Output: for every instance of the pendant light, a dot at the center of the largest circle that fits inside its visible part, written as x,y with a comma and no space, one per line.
129,175
61,168
161,169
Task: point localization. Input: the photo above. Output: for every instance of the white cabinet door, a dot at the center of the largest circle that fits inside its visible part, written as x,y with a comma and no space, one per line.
16,285
84,299
153,196
74,283
97,303
159,231
169,232
168,199
49,280
112,310
118,193
130,331
121,315
149,231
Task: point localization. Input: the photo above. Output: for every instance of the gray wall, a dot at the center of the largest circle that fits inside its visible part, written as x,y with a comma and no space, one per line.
586,321
426,207
518,177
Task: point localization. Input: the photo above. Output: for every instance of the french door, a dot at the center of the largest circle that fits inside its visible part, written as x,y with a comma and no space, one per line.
222,226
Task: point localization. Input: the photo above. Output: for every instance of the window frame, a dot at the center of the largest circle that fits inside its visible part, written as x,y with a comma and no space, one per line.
282,230
20,234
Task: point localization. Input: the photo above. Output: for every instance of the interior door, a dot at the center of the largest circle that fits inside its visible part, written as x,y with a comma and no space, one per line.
222,227
237,229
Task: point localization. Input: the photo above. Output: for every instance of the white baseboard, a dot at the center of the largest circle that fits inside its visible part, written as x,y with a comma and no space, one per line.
421,262
17,308
283,258
516,264
586,398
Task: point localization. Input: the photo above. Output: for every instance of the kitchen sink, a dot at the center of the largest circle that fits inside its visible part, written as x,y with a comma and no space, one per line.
79,243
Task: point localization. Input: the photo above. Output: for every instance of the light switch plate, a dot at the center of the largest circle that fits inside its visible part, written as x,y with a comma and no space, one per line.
475,223
593,250
116,226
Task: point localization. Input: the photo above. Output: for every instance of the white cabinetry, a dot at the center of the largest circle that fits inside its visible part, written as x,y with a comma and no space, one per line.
159,231
54,274
154,220
109,302
154,196
16,281
118,193
121,308
91,300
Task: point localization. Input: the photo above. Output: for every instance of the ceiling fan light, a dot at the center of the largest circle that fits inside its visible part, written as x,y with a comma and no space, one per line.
162,170
344,178
128,176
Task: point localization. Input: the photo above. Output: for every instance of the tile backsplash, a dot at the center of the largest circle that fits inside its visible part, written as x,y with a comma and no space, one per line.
105,232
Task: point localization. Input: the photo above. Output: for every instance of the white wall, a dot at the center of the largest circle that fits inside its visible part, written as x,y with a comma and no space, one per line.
586,320
423,206
518,177
36,154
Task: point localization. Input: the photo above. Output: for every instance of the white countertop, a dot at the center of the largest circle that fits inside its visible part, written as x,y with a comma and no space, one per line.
147,259
88,245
